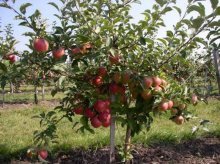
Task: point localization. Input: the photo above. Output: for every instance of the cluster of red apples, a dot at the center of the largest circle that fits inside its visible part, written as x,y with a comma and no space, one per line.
42,45
98,114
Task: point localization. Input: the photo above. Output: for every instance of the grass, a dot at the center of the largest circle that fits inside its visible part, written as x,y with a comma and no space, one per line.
17,127
29,96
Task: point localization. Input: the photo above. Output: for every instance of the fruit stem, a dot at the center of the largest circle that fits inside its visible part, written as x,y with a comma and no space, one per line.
112,139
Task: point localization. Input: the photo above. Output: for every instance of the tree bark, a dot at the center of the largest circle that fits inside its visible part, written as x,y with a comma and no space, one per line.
3,97
35,94
112,140
43,91
127,146
11,87
217,66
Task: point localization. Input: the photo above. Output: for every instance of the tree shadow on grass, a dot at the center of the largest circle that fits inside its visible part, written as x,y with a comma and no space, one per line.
6,156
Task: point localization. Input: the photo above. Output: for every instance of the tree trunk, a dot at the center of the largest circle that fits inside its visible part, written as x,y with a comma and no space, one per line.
127,146
217,66
11,87
3,97
43,91
35,94
112,139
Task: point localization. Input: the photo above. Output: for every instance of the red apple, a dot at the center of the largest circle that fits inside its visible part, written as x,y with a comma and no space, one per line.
97,81
179,120
170,104
76,50
114,88
156,81
163,106
78,110
114,59
157,89
87,45
106,123
174,111
104,116
89,113
122,89
117,77
11,58
100,106
58,53
41,45
102,71
194,99
125,77
95,122
148,81
182,106
107,102
43,153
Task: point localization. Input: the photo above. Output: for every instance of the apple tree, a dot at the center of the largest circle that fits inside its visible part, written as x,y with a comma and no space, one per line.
122,71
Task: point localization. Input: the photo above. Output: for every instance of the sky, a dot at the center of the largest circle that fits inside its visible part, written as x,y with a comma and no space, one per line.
7,16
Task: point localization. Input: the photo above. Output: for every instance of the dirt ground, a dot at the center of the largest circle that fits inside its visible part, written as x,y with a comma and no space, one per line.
199,151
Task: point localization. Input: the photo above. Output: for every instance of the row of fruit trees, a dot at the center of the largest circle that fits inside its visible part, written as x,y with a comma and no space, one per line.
117,71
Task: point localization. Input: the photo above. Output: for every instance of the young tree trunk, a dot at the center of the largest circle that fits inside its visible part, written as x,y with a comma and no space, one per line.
112,140
127,146
3,97
11,87
43,91
35,94
217,66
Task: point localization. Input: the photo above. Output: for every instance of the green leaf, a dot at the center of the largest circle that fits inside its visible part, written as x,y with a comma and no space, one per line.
4,5
161,2
24,24
108,42
214,24
142,40
217,11
53,92
163,41
197,23
210,34
54,5
84,121
200,9
214,3
167,9
3,83
169,33
187,22
61,80
199,40
3,67
148,40
177,9
24,7
213,40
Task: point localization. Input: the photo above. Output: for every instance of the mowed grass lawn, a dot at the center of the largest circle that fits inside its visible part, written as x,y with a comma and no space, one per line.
17,127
